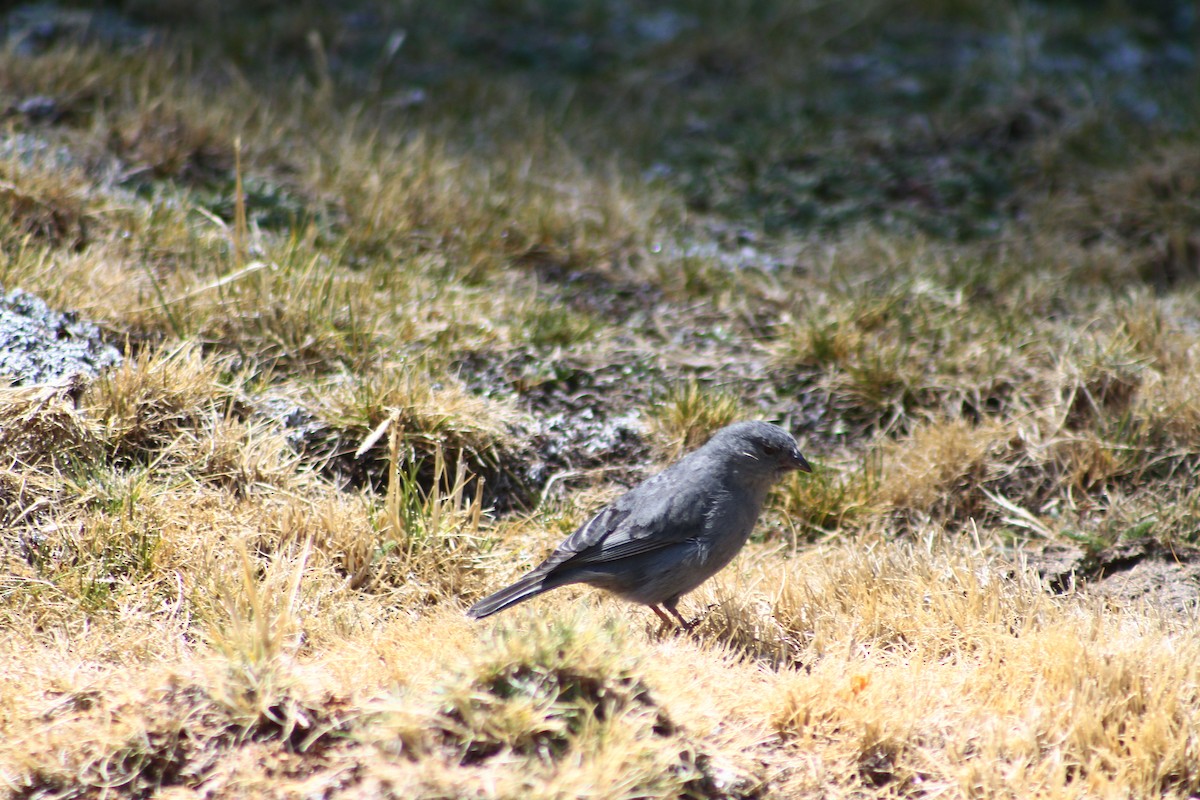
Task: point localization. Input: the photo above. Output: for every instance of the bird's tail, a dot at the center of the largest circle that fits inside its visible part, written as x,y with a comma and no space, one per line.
527,587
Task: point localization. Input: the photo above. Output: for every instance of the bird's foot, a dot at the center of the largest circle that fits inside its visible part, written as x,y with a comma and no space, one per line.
676,622
661,615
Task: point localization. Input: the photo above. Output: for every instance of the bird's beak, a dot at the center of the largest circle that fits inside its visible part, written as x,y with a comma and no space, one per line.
797,462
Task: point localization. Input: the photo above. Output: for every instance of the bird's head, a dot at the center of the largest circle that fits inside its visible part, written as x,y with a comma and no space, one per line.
760,448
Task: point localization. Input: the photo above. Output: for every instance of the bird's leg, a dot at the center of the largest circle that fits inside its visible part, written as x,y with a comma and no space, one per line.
672,605
666,620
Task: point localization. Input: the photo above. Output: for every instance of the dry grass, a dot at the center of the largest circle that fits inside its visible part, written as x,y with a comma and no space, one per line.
368,287
976,670
689,414
919,670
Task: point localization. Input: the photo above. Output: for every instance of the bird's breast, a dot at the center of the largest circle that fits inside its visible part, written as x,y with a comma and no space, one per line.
728,524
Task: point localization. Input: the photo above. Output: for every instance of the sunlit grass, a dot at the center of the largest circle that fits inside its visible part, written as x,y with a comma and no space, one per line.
375,268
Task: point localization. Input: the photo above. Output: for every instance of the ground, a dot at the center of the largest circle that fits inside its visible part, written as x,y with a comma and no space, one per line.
321,323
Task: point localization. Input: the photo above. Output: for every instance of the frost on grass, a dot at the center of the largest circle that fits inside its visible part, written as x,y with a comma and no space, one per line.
40,345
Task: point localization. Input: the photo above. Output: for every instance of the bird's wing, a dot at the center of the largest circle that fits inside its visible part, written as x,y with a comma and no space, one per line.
663,511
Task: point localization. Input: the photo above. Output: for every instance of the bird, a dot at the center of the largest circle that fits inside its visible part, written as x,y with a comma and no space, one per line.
672,532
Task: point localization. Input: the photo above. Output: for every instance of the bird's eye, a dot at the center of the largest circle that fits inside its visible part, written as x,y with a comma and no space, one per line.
770,449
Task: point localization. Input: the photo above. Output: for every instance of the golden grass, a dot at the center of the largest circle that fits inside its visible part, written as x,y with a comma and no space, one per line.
915,669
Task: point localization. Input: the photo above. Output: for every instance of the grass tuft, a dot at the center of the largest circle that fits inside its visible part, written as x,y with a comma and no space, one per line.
432,541
690,413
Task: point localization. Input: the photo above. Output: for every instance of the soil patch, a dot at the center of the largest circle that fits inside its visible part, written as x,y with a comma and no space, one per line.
1143,571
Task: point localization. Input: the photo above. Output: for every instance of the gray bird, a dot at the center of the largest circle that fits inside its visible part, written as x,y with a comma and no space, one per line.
675,530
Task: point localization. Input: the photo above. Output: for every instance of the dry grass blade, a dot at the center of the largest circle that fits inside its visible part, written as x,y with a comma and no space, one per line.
260,615
434,534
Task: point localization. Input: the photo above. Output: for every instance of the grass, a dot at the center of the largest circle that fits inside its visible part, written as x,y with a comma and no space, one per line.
404,295
689,414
